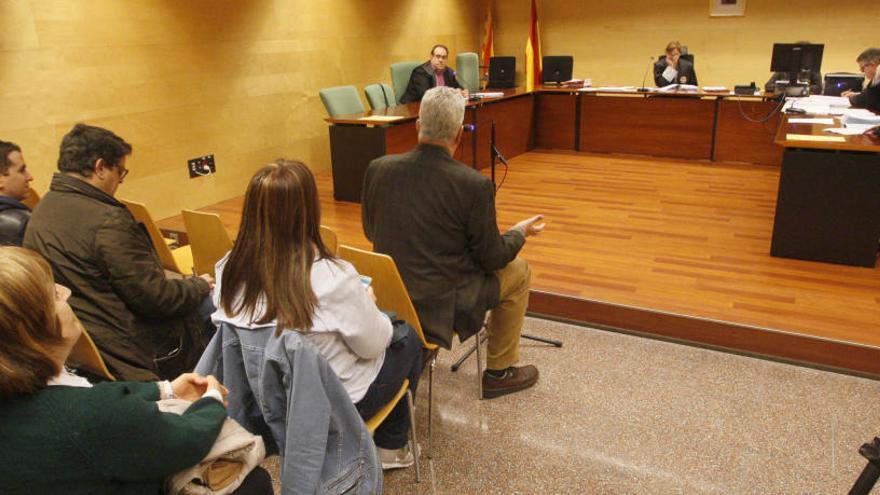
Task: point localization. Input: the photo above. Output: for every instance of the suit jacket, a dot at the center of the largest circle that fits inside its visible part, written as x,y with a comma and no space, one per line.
422,79
436,217
14,216
869,98
685,69
119,289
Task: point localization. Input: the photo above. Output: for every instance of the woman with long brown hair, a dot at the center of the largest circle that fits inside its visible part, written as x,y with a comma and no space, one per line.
279,273
60,434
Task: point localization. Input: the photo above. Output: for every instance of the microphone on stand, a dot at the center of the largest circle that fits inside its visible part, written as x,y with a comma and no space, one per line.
643,89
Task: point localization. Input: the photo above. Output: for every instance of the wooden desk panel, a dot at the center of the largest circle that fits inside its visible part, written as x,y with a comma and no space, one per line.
513,127
740,140
401,138
555,120
670,126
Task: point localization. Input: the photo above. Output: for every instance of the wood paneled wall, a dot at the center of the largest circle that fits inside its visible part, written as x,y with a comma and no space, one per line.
612,40
183,78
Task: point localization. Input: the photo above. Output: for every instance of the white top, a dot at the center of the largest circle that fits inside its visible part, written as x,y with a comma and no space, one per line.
347,328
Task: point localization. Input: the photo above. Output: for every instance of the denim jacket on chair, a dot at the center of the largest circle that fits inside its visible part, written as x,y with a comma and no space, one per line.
282,389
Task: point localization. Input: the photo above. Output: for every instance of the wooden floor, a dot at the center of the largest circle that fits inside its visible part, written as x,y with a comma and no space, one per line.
676,248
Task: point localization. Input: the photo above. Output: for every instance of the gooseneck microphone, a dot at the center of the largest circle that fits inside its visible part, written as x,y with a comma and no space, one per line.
643,89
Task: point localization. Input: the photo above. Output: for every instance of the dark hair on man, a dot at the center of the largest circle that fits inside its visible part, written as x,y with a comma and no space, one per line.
5,149
871,55
439,46
85,144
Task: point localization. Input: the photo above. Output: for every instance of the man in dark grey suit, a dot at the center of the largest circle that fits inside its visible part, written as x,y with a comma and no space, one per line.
672,69
435,72
436,217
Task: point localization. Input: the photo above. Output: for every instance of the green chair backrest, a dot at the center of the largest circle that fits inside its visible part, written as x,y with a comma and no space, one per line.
400,73
341,100
380,96
467,67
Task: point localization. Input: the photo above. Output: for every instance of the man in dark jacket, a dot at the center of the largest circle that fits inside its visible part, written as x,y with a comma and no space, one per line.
869,98
436,217
145,325
14,186
431,74
672,69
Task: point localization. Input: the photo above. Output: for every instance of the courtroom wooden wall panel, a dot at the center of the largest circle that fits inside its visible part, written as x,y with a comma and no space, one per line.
734,131
668,126
513,120
555,116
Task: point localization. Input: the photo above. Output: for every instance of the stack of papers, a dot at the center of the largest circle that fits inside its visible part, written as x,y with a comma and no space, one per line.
489,94
714,88
612,89
678,87
819,104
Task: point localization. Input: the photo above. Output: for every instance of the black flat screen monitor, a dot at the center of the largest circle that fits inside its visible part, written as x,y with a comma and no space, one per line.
796,58
556,69
502,72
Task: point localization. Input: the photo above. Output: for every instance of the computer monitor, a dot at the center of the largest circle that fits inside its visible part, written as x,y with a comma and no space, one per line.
795,58
556,69
502,72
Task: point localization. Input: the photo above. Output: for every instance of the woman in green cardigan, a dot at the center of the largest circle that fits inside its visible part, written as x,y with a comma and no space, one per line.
59,434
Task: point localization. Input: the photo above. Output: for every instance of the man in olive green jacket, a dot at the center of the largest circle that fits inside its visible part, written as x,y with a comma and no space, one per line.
137,316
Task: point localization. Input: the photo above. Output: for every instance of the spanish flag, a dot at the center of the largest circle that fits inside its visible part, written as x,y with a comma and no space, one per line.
487,46
533,52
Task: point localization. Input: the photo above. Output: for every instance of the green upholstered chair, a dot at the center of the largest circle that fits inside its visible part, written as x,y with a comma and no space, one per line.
341,100
467,67
400,73
380,96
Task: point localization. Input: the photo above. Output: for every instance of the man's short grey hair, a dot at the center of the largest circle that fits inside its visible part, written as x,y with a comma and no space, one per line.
441,114
871,55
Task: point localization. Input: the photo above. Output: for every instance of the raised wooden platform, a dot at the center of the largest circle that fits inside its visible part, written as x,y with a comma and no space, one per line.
674,248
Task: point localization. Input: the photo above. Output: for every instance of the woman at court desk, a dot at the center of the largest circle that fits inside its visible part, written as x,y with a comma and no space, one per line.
59,433
672,69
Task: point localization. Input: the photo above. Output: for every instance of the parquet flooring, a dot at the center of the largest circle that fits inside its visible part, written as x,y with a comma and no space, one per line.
678,236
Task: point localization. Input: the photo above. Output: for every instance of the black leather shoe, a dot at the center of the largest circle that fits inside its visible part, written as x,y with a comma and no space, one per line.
513,380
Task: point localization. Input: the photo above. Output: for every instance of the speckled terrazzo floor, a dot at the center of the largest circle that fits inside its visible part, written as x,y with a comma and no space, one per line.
614,413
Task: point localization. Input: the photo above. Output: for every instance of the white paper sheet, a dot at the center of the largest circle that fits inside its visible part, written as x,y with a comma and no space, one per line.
670,73
489,94
811,121
852,130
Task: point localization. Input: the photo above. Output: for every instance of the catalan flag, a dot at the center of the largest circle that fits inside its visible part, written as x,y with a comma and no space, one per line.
487,46
533,52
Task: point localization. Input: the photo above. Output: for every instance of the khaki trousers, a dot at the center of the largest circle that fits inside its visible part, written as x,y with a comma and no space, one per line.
506,319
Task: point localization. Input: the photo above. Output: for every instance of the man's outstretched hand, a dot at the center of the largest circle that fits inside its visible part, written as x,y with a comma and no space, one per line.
531,226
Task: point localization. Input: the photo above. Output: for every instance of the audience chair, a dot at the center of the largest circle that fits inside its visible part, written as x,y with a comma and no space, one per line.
380,96
400,73
330,239
85,356
467,67
391,295
178,260
32,198
383,413
208,239
341,100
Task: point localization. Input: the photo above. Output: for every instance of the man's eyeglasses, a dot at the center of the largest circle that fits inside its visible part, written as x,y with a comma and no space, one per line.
122,172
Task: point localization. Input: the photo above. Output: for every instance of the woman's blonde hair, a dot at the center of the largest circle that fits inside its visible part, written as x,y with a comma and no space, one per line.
672,46
278,240
29,327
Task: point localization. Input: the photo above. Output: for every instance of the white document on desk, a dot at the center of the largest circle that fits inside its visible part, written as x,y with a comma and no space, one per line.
489,94
811,121
850,130
831,101
670,73
610,89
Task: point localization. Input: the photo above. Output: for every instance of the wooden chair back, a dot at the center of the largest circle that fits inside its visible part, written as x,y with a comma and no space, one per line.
387,284
208,239
32,198
85,355
328,235
166,257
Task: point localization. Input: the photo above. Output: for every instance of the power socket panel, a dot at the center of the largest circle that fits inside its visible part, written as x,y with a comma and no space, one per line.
201,166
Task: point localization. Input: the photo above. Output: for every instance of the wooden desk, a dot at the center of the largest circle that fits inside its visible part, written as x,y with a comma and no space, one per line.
828,203
355,140
671,125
